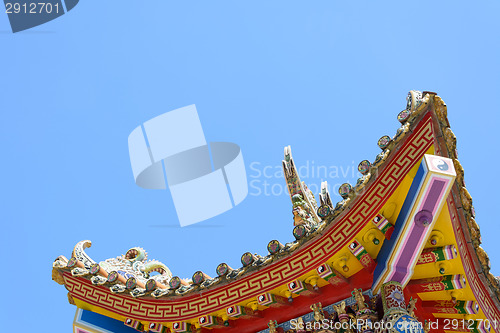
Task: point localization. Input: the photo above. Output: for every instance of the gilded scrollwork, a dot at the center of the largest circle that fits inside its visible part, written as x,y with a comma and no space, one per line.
401,132
460,172
441,111
493,282
483,258
475,232
361,183
451,142
466,198
340,308
381,157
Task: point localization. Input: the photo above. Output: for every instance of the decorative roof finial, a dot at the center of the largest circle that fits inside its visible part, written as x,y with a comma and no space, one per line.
304,203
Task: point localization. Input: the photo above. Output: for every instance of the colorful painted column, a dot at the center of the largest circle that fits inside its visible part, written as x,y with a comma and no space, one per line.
395,310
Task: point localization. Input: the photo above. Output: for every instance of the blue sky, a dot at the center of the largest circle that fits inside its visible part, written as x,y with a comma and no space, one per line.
326,77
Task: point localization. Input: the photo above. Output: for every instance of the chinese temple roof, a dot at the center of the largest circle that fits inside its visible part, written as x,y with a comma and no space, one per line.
338,247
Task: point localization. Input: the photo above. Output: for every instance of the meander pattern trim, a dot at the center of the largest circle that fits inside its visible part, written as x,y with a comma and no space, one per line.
304,260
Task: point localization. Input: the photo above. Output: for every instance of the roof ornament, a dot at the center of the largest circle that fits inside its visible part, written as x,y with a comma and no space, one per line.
127,272
300,231
365,317
304,203
199,277
344,318
384,142
176,282
60,262
274,246
223,269
357,294
79,253
273,326
411,306
396,312
318,314
136,254
364,167
416,101
248,258
326,206
344,190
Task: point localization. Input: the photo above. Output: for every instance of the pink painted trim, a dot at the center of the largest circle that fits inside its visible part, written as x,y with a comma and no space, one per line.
440,199
408,231
449,252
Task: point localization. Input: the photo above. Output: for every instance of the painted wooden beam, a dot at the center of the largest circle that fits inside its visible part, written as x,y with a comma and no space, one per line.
440,283
135,324
362,255
182,327
158,328
212,322
451,307
332,276
437,254
424,201
383,225
238,311
302,288
268,299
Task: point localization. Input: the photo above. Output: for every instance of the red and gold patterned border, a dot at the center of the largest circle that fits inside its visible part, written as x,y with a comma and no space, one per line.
481,293
458,210
307,258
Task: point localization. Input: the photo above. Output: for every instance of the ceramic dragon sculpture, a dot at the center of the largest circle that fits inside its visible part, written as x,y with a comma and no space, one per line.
132,267
134,264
